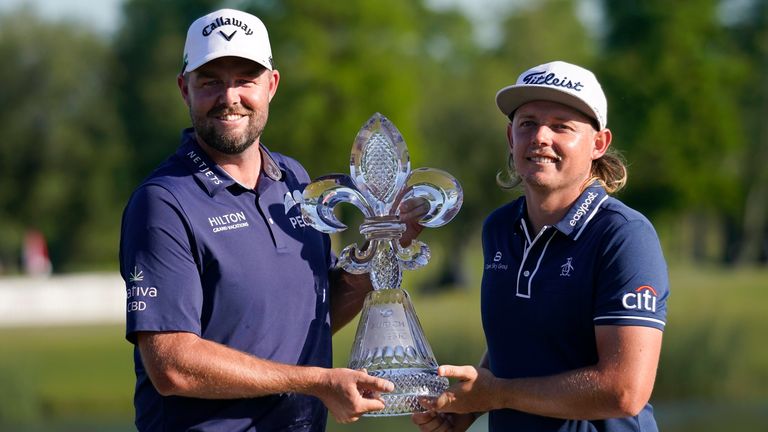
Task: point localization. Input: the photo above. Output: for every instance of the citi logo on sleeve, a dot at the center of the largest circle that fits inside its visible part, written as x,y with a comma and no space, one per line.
643,298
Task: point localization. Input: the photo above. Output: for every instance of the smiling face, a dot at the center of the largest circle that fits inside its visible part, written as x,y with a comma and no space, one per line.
228,100
553,146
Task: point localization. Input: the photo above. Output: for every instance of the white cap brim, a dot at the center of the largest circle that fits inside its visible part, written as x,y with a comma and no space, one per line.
510,98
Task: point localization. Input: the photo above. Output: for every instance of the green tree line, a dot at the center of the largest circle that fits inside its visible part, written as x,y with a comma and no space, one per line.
85,116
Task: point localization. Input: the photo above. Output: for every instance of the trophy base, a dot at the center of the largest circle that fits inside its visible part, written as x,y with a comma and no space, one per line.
411,385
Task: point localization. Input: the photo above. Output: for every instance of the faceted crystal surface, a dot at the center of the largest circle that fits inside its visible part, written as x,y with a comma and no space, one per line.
411,385
385,269
390,343
379,167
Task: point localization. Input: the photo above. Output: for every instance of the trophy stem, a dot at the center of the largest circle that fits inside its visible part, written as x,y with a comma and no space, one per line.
390,344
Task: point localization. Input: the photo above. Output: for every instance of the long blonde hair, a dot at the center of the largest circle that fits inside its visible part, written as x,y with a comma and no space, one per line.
610,170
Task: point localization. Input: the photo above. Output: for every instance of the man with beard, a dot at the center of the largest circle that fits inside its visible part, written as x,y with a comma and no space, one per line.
231,298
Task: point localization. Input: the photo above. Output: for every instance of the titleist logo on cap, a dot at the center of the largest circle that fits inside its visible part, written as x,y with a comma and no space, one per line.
219,22
550,79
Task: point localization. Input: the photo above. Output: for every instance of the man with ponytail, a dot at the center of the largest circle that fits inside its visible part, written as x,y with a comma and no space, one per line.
575,284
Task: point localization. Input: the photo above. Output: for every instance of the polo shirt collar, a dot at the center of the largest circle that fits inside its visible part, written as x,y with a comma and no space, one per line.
577,217
582,210
268,164
210,175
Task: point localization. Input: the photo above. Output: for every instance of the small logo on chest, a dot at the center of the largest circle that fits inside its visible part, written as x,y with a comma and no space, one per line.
565,269
291,200
497,264
228,221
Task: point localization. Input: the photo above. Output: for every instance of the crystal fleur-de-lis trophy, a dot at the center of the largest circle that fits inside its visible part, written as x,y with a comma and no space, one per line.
390,342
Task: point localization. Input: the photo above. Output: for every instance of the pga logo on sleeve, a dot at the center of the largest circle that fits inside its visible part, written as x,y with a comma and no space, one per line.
643,298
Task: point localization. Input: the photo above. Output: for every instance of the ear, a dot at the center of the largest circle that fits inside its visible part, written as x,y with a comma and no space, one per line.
509,136
602,142
183,88
274,80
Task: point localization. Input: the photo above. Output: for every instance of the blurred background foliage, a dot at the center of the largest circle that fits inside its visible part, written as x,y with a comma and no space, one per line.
85,115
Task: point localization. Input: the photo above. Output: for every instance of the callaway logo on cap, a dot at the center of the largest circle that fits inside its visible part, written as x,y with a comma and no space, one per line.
560,82
226,32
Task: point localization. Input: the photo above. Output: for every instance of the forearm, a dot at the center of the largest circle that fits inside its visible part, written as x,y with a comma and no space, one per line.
183,364
579,394
619,385
348,293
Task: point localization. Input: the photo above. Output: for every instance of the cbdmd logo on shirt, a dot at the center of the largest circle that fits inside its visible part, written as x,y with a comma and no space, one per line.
227,222
644,298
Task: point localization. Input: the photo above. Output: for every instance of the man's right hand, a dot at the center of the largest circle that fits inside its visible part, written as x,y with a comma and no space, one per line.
342,390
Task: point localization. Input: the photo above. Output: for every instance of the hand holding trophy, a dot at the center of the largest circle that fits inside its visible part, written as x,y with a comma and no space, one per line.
390,342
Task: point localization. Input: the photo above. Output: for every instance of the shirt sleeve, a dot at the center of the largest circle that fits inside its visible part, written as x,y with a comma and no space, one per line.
632,278
163,287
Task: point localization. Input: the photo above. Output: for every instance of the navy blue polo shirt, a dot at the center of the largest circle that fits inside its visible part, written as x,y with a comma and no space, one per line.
200,253
544,293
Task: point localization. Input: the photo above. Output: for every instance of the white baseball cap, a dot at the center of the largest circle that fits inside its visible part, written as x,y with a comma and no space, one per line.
226,32
560,82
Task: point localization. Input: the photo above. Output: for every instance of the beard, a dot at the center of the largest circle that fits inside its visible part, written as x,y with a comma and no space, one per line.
229,141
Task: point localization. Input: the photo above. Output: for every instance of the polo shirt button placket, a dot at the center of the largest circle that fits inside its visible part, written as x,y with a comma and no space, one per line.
526,273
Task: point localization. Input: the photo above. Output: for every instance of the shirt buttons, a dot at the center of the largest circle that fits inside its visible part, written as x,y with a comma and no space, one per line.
271,222
526,273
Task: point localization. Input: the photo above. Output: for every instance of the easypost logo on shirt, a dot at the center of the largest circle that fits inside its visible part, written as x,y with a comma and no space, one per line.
643,298
583,208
